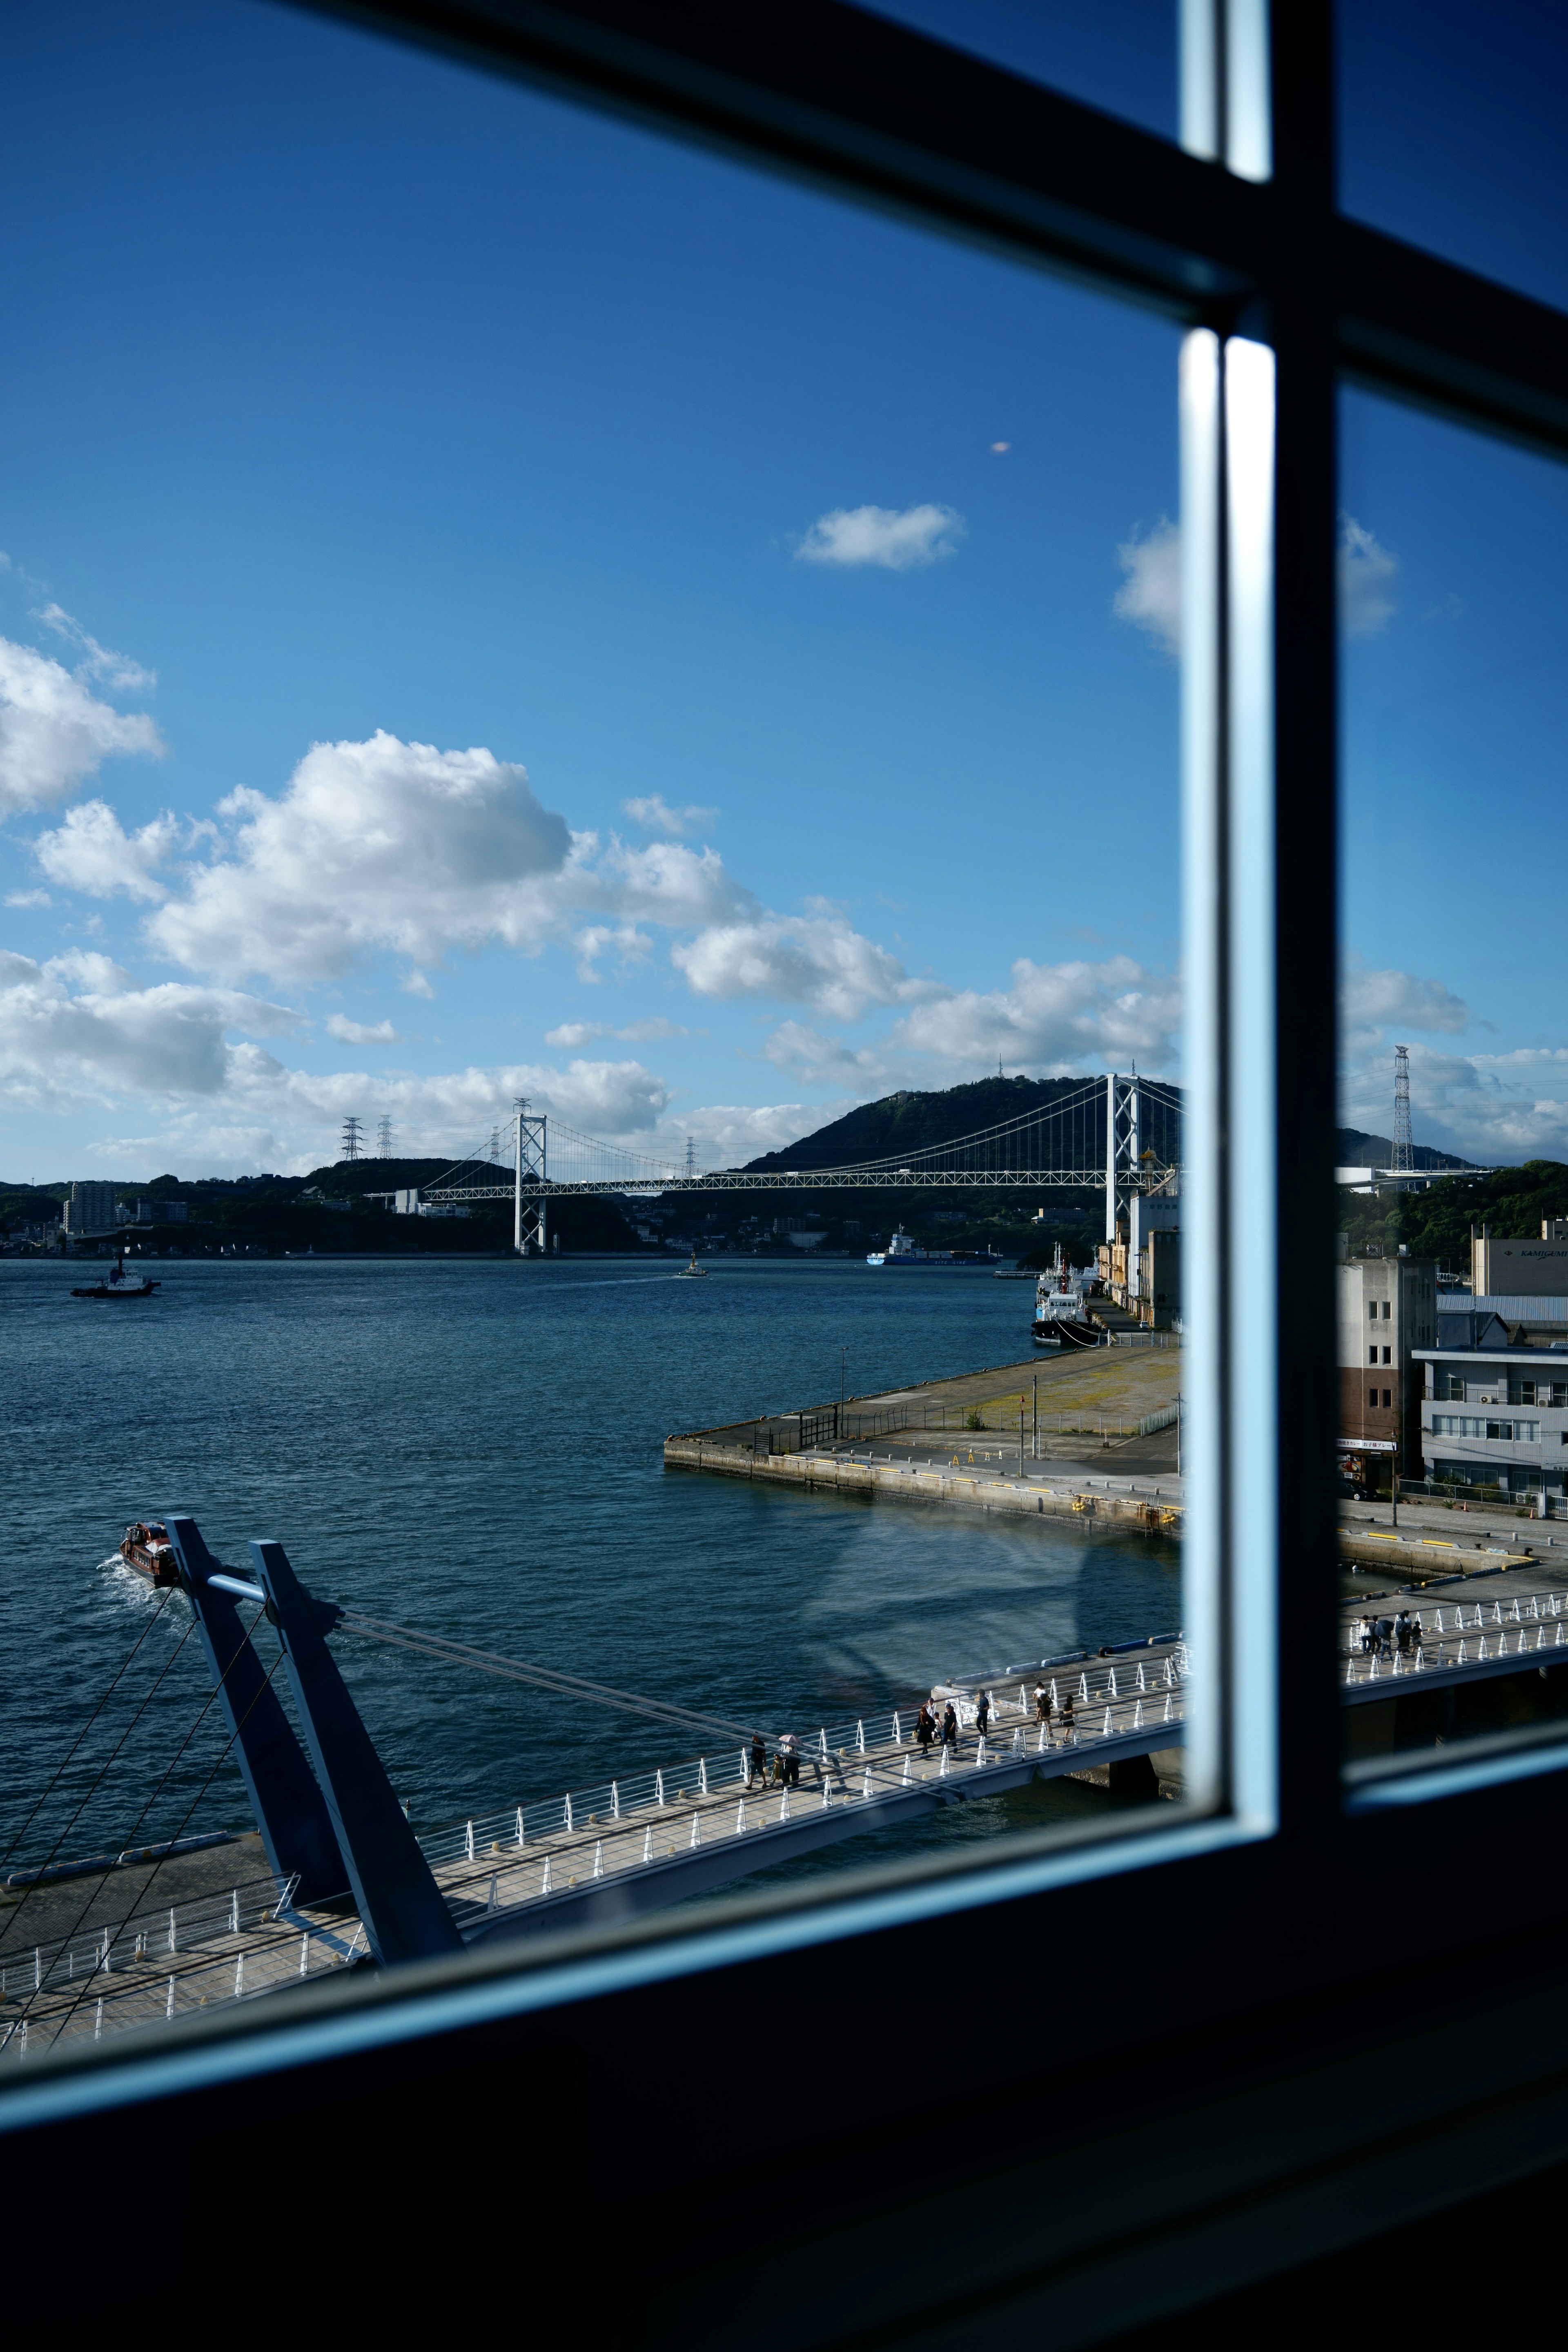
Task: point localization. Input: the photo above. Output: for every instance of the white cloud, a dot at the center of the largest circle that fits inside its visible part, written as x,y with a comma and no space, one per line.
656,816
1367,571
91,852
362,1032
729,1134
895,540
55,733
28,899
1375,1003
573,1034
814,1057
1054,1015
99,974
60,1050
817,959
118,671
374,845
414,983
1150,596
399,846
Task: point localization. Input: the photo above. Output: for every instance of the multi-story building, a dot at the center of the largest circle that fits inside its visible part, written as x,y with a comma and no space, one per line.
1388,1310
1495,1407
1521,1267
90,1210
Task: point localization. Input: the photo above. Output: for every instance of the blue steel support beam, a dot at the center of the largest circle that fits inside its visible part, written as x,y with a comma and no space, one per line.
290,1812
404,1916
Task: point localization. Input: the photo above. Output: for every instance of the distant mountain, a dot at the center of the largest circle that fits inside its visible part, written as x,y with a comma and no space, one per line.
1355,1150
907,1122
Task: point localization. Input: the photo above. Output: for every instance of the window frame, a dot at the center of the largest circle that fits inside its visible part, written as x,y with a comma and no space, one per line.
1286,300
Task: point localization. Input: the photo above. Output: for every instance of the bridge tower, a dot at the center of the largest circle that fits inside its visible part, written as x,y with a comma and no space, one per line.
528,1235
1123,1146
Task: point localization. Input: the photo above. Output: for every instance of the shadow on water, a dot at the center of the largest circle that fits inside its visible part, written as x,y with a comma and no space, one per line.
475,1447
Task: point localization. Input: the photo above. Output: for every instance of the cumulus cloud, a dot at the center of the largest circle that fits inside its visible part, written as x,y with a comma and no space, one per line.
817,959
362,1032
1375,1003
374,845
1367,571
1057,1016
896,539
61,1049
656,816
55,732
92,853
1150,596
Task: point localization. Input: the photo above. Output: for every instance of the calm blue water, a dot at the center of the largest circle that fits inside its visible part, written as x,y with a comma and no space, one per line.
475,1447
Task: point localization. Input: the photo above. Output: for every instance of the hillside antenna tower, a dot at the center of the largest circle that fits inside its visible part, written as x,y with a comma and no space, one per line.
1403,1141
353,1139
384,1138
691,1156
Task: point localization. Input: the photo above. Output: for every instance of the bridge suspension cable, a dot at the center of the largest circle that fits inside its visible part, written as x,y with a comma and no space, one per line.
1112,1130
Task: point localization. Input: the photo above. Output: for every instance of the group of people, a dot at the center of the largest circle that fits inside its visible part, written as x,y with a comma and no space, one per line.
785,1769
1389,1637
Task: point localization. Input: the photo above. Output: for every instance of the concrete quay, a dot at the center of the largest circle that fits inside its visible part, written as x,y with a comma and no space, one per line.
956,1442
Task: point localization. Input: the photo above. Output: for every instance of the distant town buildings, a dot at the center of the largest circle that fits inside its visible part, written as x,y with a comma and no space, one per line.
91,1209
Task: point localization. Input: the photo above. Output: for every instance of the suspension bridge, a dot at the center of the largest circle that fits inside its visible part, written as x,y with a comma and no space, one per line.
1122,1133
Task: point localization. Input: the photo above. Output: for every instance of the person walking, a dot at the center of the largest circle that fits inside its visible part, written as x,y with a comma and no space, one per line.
983,1714
1042,1704
950,1730
925,1727
790,1748
1069,1717
757,1763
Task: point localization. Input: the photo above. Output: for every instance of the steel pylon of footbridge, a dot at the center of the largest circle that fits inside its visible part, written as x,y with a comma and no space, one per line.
1098,1137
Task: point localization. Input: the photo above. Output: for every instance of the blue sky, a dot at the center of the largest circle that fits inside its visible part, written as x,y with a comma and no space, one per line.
496,602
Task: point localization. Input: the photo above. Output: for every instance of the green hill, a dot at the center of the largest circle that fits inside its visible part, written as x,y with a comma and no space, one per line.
908,1122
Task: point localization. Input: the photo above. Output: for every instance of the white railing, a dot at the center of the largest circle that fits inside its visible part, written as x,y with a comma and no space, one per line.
1464,1633
146,1935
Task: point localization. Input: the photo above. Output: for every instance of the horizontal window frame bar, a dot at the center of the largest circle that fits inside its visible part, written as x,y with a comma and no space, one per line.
952,142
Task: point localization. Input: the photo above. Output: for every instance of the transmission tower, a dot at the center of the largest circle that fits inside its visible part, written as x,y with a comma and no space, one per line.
383,1139
352,1138
691,1155
494,1144
1403,1141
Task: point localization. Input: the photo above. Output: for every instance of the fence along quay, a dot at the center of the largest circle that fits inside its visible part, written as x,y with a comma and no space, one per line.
598,1855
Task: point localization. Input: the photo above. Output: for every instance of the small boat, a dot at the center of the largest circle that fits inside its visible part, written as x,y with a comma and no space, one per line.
687,1273
117,1286
146,1547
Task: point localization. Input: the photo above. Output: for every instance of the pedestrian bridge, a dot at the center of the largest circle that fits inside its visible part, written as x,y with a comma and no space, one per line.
603,1855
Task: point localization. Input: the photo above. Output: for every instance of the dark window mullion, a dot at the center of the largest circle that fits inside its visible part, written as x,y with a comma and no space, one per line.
1302,327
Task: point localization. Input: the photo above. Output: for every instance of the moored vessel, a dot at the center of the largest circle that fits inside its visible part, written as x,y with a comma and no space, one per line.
1061,1318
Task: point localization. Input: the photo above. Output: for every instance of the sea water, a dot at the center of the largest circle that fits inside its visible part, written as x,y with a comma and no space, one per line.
474,1447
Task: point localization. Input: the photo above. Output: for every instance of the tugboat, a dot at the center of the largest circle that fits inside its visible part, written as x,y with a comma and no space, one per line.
117,1286
1061,1319
693,1271
147,1548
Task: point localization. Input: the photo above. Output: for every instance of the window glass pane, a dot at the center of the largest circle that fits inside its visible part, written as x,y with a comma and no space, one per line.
1119,57
1451,132
503,608
1453,1136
